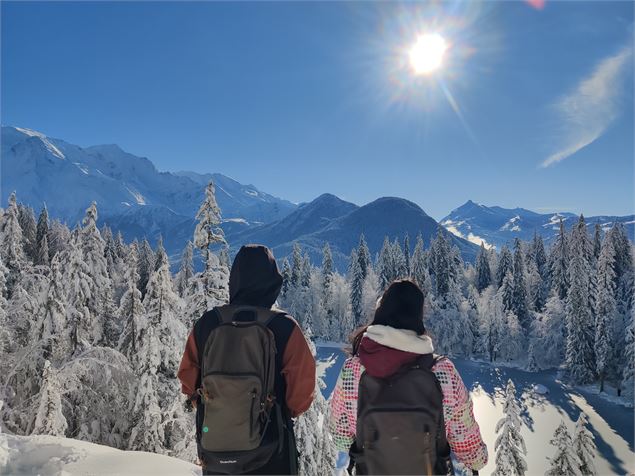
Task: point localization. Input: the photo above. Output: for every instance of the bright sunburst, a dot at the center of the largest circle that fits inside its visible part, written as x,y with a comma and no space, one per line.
426,55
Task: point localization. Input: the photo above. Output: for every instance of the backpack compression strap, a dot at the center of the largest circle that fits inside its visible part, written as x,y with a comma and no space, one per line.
230,313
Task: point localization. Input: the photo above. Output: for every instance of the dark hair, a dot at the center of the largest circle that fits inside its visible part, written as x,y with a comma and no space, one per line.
401,307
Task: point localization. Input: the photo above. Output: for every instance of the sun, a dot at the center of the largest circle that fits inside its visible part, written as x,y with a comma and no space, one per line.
426,55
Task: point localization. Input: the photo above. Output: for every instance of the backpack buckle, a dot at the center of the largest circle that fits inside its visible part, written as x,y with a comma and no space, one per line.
204,394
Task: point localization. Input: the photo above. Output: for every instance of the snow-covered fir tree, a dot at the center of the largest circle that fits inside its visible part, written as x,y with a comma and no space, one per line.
406,253
580,357
559,264
146,265
208,232
26,218
483,272
49,419
549,332
565,460
356,279
519,293
186,271
131,311
505,265
584,446
605,311
41,238
510,445
11,244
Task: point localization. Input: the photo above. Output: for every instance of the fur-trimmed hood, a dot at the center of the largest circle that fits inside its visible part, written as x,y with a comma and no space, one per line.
384,350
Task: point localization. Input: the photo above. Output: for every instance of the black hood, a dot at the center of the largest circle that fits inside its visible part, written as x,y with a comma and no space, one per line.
254,279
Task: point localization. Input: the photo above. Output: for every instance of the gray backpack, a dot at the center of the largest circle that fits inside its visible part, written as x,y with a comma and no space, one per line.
400,427
237,391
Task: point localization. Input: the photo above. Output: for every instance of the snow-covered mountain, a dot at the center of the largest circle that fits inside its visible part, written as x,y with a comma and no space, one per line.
497,226
132,195
330,219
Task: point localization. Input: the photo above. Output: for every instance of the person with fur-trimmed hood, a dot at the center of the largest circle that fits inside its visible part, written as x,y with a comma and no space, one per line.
389,353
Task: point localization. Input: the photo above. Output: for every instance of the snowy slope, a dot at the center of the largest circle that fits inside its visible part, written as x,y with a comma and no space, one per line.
498,226
50,455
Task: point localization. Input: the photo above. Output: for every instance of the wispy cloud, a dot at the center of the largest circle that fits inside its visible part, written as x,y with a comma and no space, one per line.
588,110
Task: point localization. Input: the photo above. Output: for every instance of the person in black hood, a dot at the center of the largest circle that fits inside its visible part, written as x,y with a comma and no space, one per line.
255,281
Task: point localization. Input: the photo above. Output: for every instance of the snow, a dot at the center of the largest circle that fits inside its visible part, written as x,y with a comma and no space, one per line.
554,221
137,196
540,389
251,193
50,455
236,220
47,143
511,224
81,167
471,237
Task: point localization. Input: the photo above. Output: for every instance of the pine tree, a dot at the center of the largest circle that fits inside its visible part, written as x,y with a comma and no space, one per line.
53,337
385,264
208,232
162,308
296,265
510,445
419,269
11,244
147,431
160,255
356,279
550,333
146,265
406,252
605,310
519,300
49,419
558,264
98,300
131,310
398,260
483,272
507,292
597,241
580,359
82,322
584,447
186,271
370,294
286,278
26,217
42,255
505,265
565,461
541,293
363,254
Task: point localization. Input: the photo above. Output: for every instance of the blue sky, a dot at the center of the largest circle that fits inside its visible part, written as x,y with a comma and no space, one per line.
532,107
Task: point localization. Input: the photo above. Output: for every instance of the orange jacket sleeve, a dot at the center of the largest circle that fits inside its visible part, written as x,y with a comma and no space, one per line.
189,369
298,368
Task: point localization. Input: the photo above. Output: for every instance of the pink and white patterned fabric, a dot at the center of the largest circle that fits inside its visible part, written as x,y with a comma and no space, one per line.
462,431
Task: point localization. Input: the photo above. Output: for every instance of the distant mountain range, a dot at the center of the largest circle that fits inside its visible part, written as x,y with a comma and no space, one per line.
135,198
498,226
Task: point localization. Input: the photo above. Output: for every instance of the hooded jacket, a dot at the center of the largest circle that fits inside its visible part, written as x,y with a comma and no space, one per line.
383,351
254,280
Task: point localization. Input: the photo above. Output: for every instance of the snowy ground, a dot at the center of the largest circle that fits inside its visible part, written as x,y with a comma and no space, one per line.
49,455
611,423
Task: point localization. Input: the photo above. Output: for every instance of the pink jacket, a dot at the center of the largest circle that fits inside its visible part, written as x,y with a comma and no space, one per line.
462,431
